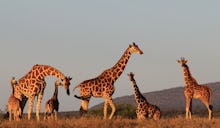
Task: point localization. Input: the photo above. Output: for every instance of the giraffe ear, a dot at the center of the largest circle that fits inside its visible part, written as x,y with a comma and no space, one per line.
134,44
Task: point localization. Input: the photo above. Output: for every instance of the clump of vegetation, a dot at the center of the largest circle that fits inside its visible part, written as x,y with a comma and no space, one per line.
122,110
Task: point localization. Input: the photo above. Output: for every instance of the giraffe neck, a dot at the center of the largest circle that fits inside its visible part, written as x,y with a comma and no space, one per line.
119,67
41,71
55,93
137,94
188,78
13,90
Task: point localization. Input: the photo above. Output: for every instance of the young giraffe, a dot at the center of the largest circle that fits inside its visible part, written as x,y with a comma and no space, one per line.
33,84
14,104
103,85
52,104
144,109
194,90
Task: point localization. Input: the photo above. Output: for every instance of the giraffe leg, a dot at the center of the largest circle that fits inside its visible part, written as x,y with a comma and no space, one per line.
113,108
39,99
45,115
55,114
209,107
30,108
105,109
188,107
84,106
10,115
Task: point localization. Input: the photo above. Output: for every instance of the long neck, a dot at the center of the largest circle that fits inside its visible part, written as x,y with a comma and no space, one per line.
137,94
42,71
119,67
55,92
13,90
188,78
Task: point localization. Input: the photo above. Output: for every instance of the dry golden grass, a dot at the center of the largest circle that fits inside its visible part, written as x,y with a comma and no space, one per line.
117,122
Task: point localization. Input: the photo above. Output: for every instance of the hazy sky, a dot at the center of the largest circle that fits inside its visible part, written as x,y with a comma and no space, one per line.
83,38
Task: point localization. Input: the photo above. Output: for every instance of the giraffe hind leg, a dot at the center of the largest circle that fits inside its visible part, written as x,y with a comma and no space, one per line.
209,107
113,109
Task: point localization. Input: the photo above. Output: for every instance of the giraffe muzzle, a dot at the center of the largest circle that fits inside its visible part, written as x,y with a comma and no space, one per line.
68,91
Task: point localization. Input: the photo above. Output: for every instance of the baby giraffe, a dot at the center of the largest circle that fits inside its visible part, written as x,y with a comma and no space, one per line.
14,105
52,104
144,109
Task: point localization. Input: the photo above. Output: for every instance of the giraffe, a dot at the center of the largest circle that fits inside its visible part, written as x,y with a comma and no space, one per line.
103,85
144,109
14,103
52,104
194,90
33,84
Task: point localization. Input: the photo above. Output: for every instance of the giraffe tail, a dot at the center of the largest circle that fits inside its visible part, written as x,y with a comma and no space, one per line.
210,99
82,97
75,88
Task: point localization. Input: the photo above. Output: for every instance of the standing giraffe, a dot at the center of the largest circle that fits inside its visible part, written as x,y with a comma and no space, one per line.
194,90
53,103
144,109
14,104
103,85
33,84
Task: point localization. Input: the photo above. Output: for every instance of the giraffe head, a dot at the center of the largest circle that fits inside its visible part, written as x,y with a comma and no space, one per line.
133,48
66,84
182,61
58,83
15,88
131,76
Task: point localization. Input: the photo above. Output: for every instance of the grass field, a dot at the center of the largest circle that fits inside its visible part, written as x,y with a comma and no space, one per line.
124,118
117,122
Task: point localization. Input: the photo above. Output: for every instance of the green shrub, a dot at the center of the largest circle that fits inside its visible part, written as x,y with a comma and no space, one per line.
122,110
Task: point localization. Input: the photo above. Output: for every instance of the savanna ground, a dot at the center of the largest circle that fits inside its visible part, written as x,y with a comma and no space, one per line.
124,118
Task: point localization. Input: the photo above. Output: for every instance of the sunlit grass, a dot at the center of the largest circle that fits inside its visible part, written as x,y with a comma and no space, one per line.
117,122
124,118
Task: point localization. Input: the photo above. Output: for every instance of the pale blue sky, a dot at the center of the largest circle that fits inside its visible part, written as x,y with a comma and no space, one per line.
83,38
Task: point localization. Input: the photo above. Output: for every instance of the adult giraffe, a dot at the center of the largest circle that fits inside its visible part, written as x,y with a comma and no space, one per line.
33,84
103,85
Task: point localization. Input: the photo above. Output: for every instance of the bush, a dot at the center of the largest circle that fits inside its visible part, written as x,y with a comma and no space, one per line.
122,110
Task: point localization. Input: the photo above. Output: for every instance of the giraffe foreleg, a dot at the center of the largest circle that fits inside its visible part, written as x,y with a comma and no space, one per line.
105,109
39,99
55,114
10,115
30,107
188,108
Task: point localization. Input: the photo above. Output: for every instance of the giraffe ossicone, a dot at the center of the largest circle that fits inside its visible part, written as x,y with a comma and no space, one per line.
103,85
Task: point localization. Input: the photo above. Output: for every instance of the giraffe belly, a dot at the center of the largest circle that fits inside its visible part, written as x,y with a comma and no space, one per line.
97,94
